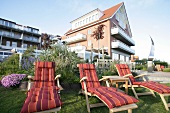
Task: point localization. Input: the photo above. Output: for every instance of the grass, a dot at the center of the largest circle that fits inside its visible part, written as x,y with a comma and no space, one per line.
12,99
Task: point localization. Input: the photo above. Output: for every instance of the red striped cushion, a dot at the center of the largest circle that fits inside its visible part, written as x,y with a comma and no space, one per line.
123,70
41,100
160,88
89,71
111,97
44,94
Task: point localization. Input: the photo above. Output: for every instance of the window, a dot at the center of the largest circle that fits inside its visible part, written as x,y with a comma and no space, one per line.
96,16
89,19
14,44
7,43
89,31
80,23
6,23
25,45
1,22
93,17
89,42
122,58
83,22
127,59
115,56
76,25
86,20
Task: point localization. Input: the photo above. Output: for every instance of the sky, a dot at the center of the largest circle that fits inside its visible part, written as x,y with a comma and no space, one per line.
146,18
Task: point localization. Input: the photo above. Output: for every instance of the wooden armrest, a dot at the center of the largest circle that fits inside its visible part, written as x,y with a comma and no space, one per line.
105,78
84,78
126,76
141,75
30,77
58,76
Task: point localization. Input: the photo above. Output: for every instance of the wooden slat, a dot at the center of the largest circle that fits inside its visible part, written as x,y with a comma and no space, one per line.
125,107
145,93
97,105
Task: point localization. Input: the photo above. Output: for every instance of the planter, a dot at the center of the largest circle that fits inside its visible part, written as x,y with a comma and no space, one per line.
23,85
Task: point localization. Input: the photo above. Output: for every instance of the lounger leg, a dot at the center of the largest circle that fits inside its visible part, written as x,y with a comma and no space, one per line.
133,89
129,110
164,101
87,102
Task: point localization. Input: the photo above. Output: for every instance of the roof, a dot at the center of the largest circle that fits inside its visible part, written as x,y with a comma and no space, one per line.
106,14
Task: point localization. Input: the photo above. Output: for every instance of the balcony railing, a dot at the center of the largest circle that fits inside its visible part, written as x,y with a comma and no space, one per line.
77,38
121,35
22,28
77,48
123,47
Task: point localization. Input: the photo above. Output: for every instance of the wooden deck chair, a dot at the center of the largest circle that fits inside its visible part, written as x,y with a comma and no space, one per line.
114,100
162,90
44,95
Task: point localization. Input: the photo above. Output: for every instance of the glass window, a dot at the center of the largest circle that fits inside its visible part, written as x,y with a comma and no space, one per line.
96,16
1,53
86,20
25,45
14,44
80,23
6,23
89,42
76,25
127,59
89,31
115,56
83,21
122,58
1,22
7,43
93,17
89,19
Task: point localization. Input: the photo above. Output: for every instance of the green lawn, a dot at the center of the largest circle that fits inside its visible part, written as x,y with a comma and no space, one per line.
12,99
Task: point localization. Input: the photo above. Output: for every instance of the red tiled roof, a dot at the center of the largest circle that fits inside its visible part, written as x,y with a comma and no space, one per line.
106,14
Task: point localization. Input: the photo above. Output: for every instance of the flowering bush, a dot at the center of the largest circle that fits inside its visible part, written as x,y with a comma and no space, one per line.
12,80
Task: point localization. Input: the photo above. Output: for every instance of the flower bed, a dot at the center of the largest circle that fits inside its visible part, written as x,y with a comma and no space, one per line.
12,80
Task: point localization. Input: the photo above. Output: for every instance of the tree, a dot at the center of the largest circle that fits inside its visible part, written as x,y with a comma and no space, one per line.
98,34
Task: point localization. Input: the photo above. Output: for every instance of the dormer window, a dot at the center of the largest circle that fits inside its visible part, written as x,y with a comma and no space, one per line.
89,19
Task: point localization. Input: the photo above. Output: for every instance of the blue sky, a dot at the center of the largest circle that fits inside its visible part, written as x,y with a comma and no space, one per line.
146,17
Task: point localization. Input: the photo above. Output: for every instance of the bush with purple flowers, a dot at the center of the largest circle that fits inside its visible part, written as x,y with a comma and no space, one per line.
12,80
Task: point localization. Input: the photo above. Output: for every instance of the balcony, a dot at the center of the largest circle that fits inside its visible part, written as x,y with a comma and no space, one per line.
77,38
9,35
77,48
31,39
122,47
122,36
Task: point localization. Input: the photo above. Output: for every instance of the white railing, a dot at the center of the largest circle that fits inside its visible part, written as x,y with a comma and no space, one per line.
117,30
122,46
77,48
78,37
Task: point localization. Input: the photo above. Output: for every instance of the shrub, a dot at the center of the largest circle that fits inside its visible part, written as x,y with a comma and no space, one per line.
12,80
66,62
166,70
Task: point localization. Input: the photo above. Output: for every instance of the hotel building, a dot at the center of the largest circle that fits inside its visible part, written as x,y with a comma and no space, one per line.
117,39
18,37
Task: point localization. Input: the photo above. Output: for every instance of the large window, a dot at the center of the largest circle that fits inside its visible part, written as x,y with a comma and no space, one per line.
25,45
14,44
115,56
122,58
7,43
